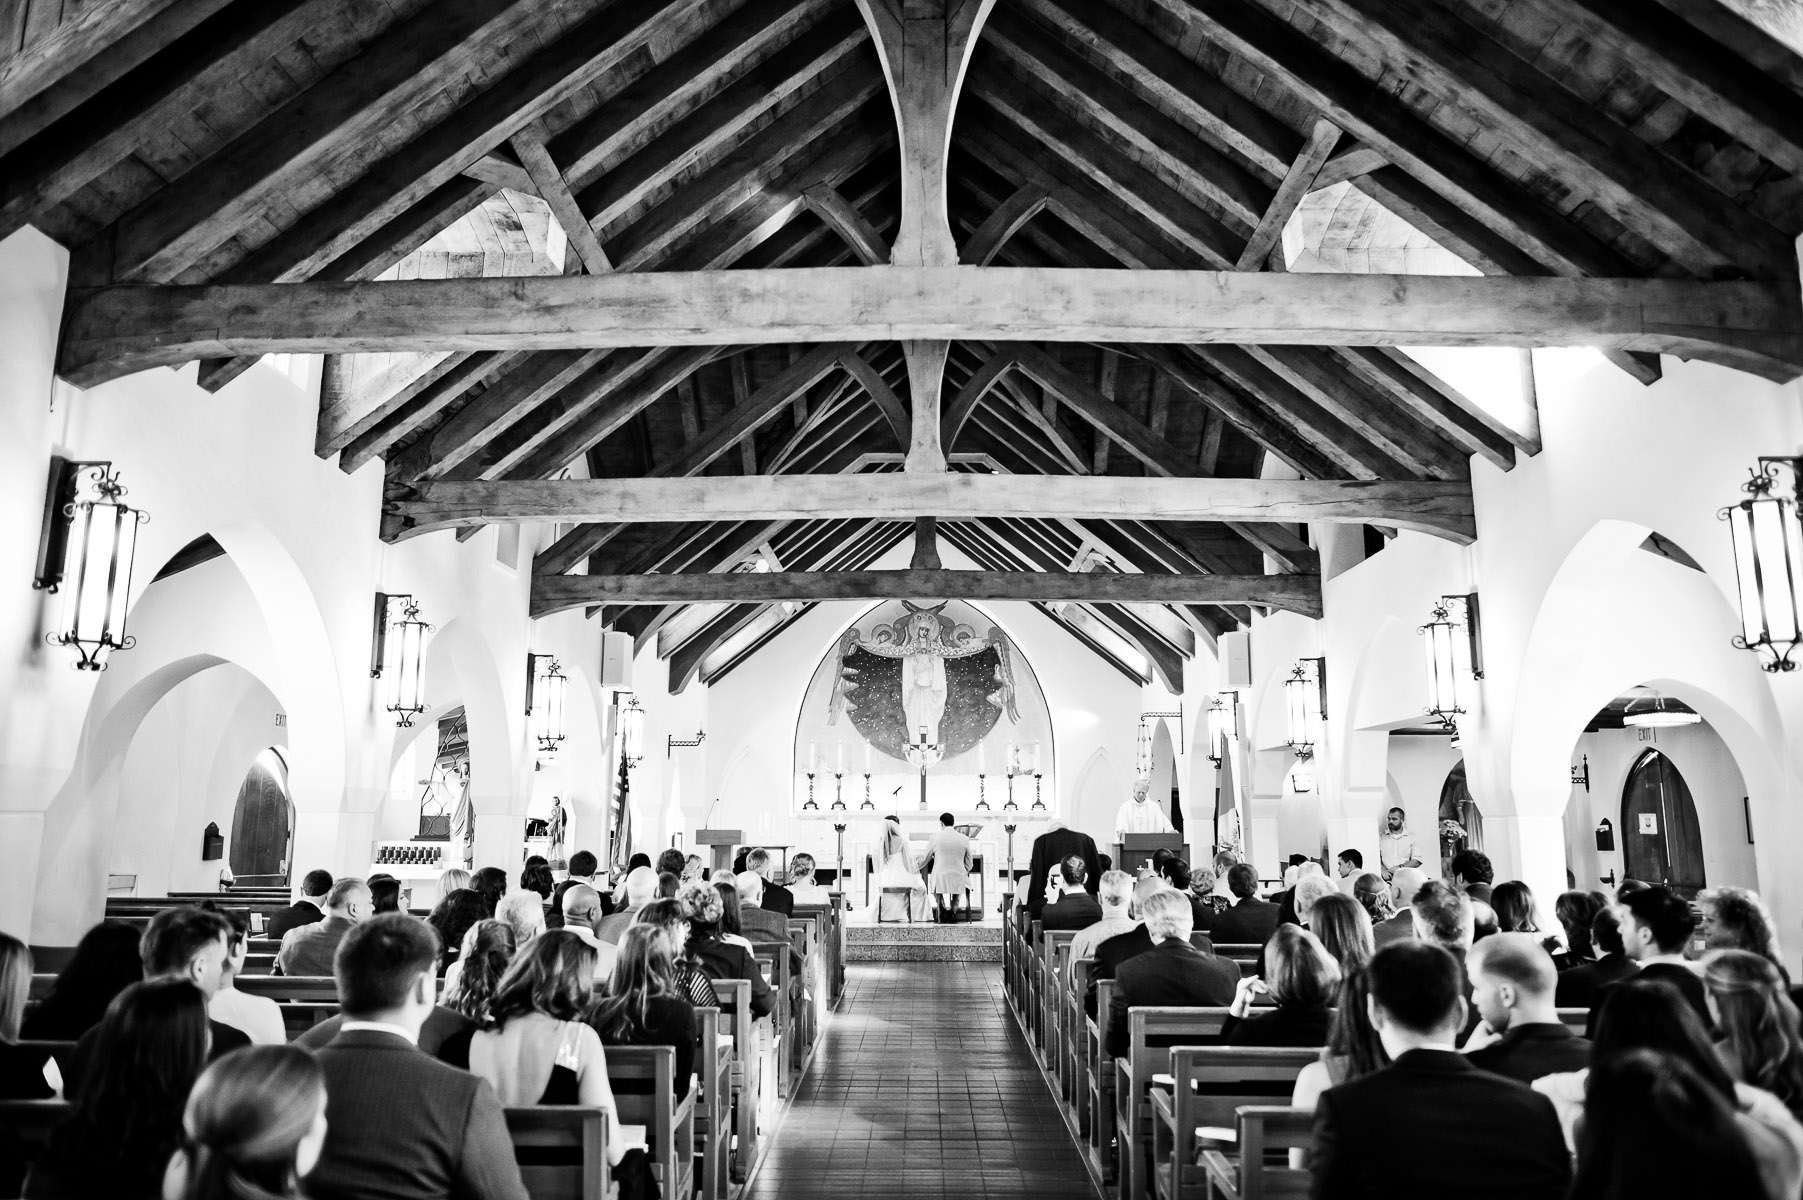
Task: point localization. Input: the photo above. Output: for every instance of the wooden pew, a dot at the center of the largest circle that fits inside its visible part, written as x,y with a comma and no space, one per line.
322,989
1075,1041
669,1125
561,1149
1054,959
1151,1034
26,1125
1030,1001
773,961
713,1109
1209,1084
298,1016
735,1003
1261,1170
1100,1072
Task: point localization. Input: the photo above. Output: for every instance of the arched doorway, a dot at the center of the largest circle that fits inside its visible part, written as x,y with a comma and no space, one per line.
1461,823
1660,835
262,822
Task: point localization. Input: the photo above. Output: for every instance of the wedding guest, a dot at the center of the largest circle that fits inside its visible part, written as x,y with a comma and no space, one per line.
1659,1131
1115,898
1515,909
400,1124
1737,919
1349,864
732,927
1309,889
454,880
309,909
1582,986
583,865
777,898
1074,907
581,913
1112,952
1302,980
1050,848
524,913
1248,921
1521,1037
1172,972
1469,869
1412,1128
705,908
691,981
452,919
1344,929
384,893
643,1004
1758,1022
694,867
308,950
536,878
21,1067
1655,929
1387,924
126,1120
1353,1048
801,880
490,883
186,943
258,1017
1576,911
254,1124
641,889
1651,1014
471,982
106,962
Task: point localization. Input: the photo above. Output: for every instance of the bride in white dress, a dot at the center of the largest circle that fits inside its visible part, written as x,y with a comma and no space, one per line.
899,870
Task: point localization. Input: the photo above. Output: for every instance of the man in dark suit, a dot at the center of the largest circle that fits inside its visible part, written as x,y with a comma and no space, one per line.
445,1035
309,909
399,1123
583,865
1049,849
1112,952
1248,921
1172,972
777,898
1075,908
1431,1123
1582,986
1656,924
309,950
1512,981
186,943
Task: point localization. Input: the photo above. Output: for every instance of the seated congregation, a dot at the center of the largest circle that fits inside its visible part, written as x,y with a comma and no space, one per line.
1386,1034
563,1037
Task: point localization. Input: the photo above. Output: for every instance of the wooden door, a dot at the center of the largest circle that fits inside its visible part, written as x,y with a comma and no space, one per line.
260,824
1660,837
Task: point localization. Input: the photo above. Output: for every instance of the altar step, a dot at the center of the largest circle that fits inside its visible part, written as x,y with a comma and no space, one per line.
923,943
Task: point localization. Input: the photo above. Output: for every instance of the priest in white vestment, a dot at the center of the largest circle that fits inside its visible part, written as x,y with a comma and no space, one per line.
1140,815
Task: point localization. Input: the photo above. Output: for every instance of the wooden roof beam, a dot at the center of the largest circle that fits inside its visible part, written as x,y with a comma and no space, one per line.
925,48
113,331
554,189
1440,508
1298,182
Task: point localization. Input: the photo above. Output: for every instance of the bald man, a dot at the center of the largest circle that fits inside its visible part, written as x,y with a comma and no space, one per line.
581,913
1512,984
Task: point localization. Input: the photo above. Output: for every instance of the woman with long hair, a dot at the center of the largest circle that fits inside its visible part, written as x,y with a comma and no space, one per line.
538,1050
732,928
471,982
1301,979
1514,905
1650,1014
1658,1130
691,981
720,959
490,883
452,919
150,1048
897,869
1344,930
643,1005
537,878
1758,1022
21,1067
1737,919
255,1124
1576,912
105,963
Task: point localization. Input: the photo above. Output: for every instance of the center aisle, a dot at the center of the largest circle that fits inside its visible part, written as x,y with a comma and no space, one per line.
922,1088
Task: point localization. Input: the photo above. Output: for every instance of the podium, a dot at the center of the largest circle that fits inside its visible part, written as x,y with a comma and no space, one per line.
722,842
1135,848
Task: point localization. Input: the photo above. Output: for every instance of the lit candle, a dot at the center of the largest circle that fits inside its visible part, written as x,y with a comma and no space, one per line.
866,758
839,768
982,758
813,756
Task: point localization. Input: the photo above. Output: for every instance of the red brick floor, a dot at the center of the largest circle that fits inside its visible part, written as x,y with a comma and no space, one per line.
922,1088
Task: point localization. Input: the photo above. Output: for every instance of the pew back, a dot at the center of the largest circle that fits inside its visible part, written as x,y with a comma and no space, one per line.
561,1149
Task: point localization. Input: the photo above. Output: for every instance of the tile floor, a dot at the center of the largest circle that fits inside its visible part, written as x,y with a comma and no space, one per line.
922,1088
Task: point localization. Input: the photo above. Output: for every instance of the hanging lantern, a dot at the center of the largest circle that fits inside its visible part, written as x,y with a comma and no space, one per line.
632,732
398,657
1768,561
1305,696
545,683
1222,724
1451,642
85,554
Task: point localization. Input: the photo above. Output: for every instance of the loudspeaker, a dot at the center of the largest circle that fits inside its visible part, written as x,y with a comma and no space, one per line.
1235,649
616,661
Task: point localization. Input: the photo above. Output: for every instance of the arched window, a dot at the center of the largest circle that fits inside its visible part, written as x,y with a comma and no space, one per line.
1659,832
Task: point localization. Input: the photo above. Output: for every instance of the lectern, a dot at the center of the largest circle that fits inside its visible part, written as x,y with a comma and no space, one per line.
1135,848
722,842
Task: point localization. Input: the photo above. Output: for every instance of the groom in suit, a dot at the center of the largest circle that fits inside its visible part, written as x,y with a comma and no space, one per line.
948,860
